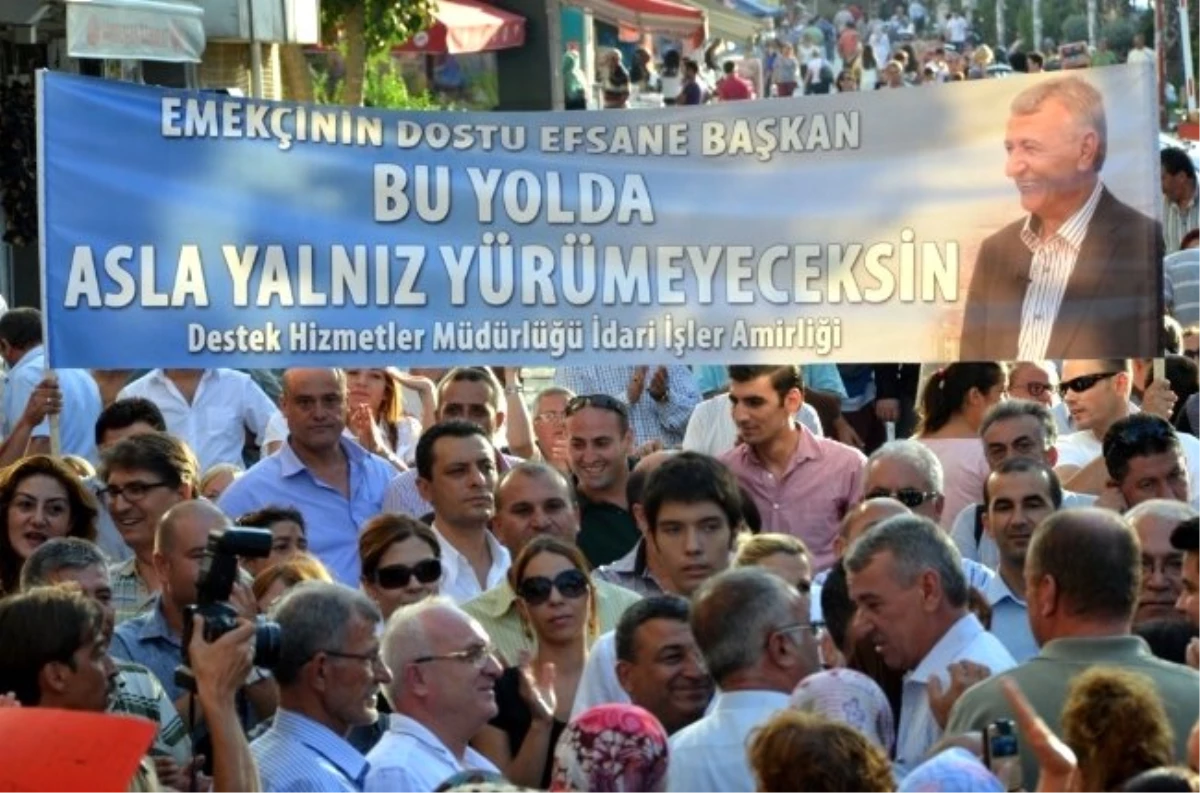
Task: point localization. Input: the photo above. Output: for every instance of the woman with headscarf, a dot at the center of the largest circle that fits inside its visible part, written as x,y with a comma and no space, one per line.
574,82
852,698
611,748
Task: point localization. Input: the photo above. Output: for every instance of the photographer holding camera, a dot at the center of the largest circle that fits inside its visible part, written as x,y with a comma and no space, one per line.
156,638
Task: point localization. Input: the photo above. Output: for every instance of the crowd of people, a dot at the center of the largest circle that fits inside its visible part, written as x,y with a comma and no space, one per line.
814,577
846,51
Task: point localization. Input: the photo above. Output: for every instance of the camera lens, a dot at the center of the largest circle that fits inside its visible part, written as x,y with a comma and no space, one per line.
267,637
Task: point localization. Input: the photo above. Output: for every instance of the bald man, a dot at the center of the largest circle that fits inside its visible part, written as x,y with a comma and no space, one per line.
1162,564
334,483
154,638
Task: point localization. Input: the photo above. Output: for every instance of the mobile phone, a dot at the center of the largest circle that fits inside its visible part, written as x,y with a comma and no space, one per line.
1001,753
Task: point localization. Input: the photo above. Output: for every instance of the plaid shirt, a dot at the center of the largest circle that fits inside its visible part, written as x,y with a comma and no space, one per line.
651,420
130,593
138,693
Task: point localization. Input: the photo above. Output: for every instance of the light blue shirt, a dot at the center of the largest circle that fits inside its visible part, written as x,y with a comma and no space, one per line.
710,755
1010,620
81,404
919,731
298,754
824,377
332,520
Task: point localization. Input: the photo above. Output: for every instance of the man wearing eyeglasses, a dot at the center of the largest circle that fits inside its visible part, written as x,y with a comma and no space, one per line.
442,693
143,476
1014,428
1097,394
1162,563
758,643
330,671
1037,381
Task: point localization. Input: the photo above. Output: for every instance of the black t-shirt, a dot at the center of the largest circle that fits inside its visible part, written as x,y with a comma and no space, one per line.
514,719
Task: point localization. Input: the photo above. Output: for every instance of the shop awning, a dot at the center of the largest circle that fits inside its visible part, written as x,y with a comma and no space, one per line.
754,8
462,26
650,16
145,30
726,23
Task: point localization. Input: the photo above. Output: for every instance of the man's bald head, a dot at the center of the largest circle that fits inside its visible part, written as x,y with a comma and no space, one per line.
635,486
292,377
1094,559
191,514
866,514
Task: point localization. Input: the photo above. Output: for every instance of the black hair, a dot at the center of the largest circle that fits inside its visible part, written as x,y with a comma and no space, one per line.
454,428
21,327
658,607
268,516
1174,160
125,413
837,608
1186,536
690,478
1168,638
1025,465
1139,435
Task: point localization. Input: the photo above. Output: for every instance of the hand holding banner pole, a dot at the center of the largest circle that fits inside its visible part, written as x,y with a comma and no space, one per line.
55,437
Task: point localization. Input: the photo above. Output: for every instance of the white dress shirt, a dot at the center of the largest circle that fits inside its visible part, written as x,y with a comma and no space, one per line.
459,581
1010,621
919,731
711,429
985,552
710,755
226,404
1080,448
411,758
598,684
1053,262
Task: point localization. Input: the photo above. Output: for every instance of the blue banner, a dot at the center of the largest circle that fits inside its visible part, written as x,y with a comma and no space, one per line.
186,229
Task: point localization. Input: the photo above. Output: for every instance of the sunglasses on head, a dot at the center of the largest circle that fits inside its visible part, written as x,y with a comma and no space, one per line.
397,576
908,496
571,584
600,401
1083,382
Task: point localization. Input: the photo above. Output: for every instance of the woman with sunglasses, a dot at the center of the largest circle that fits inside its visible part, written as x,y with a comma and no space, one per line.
401,561
557,602
953,402
40,499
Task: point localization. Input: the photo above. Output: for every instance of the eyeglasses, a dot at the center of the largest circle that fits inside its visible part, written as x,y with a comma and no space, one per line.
908,496
1084,382
549,417
397,576
813,629
600,401
571,584
476,656
374,659
1034,389
133,491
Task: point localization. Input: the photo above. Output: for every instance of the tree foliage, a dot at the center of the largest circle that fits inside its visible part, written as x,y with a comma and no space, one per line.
371,26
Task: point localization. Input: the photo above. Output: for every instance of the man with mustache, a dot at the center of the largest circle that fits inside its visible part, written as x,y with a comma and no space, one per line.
1055,283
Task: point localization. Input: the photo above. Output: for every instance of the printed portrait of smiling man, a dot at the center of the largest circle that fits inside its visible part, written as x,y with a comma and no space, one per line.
1057,282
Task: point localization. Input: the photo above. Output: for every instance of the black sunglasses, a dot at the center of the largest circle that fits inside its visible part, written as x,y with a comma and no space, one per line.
571,584
908,496
397,576
1083,382
600,401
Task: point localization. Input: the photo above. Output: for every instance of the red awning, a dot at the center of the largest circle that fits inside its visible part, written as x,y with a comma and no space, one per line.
467,26
650,16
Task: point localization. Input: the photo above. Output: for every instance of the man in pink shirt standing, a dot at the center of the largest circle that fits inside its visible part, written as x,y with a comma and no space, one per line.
732,87
801,484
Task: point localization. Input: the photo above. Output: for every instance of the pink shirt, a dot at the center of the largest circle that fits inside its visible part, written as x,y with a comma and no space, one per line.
822,480
965,468
731,88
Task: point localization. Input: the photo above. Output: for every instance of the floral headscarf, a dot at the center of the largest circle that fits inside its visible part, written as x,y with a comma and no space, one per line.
852,698
611,749
955,769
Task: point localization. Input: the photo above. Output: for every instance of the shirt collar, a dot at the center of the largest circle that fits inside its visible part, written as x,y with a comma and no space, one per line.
30,354
402,724
947,648
497,601
632,563
750,700
126,569
1072,232
808,448
155,625
997,591
459,561
322,740
290,465
1099,649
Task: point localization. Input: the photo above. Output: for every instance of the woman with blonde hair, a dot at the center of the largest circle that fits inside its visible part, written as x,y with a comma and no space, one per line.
216,479
376,412
557,603
781,554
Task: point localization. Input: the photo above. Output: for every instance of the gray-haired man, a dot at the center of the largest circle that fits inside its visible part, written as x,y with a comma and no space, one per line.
329,672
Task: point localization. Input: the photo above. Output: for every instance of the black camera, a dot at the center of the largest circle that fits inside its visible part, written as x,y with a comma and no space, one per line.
218,573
